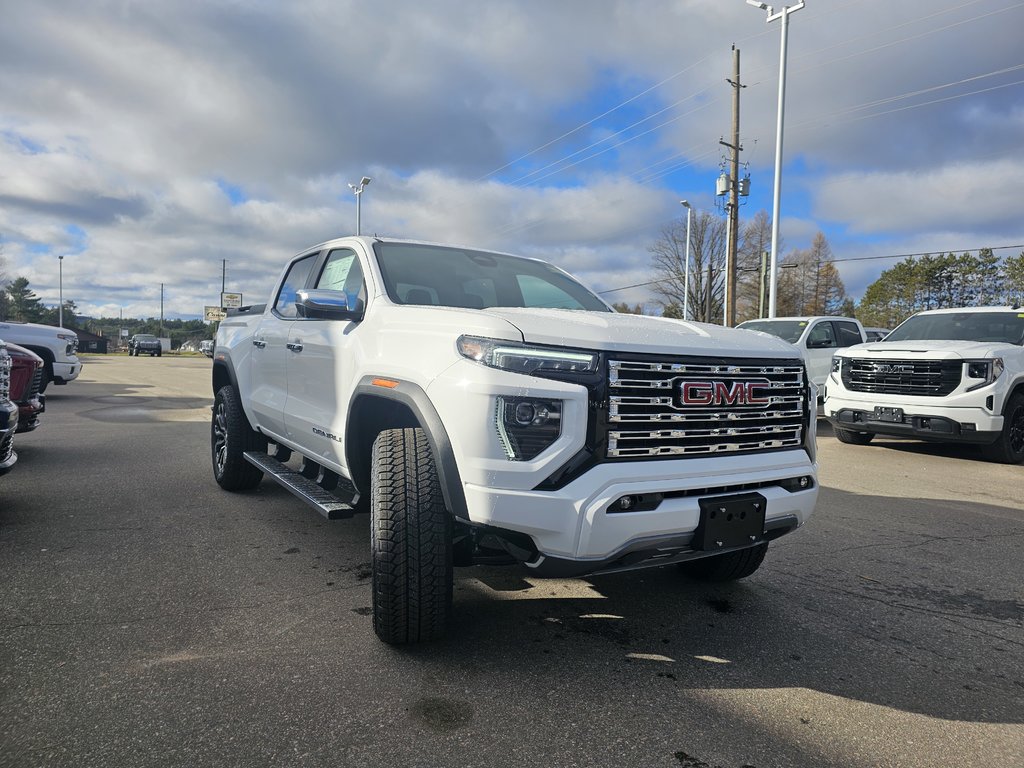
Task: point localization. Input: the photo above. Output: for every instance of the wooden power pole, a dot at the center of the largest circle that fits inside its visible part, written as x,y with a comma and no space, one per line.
733,206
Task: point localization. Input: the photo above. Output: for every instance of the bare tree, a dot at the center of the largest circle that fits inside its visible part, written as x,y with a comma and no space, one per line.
809,283
707,245
756,239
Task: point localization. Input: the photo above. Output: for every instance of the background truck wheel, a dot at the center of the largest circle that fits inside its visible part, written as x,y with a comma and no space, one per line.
230,437
727,567
410,540
1009,447
851,437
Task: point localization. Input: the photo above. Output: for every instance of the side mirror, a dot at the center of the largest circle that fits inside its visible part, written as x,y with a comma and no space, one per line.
323,304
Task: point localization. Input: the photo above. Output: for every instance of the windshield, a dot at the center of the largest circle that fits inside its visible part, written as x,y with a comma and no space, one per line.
145,337
453,277
1002,327
787,330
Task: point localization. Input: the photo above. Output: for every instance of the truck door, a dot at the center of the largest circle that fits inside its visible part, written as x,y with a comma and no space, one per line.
820,346
271,355
321,374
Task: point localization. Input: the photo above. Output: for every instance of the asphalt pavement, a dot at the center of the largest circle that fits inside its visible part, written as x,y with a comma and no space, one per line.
148,618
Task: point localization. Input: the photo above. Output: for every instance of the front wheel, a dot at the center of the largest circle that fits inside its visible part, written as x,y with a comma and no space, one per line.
729,566
1009,446
411,540
230,437
851,437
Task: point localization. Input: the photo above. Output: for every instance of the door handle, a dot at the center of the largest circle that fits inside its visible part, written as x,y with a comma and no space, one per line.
259,343
294,346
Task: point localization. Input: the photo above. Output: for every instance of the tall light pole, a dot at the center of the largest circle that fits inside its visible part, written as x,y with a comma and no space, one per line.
783,15
357,189
60,289
686,280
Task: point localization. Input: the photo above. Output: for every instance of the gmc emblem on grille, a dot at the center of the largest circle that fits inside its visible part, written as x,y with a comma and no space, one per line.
711,392
887,368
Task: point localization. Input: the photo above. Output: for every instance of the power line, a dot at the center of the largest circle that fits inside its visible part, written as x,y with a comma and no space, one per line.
854,258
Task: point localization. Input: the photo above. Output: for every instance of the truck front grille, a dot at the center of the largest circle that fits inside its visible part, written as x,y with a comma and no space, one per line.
699,407
5,373
923,378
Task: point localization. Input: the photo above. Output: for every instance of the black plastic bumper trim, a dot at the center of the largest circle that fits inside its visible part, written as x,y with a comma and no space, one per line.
919,426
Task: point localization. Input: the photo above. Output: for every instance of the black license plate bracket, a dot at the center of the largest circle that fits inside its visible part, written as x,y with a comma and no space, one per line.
893,415
730,521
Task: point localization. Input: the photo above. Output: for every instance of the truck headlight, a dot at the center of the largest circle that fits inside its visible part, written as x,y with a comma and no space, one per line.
837,364
510,356
526,426
986,370
71,340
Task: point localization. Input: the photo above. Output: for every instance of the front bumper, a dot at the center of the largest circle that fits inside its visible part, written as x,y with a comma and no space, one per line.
65,372
923,418
577,529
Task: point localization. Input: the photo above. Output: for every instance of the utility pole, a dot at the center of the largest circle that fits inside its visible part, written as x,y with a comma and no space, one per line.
732,207
223,276
161,310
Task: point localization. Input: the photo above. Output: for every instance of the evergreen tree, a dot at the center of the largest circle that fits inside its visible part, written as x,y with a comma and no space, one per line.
23,304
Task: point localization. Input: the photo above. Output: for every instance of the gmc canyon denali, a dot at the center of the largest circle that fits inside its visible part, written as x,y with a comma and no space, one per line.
487,408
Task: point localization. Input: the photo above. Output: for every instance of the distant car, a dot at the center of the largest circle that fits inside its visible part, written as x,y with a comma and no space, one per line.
26,379
145,343
206,347
876,334
8,414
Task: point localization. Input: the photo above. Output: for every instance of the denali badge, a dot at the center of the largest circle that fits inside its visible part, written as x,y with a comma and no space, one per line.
722,392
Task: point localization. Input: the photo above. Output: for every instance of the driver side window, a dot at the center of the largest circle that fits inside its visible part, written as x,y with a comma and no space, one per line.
342,272
821,336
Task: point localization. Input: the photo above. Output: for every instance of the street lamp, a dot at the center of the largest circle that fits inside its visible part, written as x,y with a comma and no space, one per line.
686,280
357,189
783,15
60,284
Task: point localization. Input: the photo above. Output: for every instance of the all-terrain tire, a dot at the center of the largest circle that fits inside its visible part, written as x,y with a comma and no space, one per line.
729,566
231,435
410,540
852,437
1009,446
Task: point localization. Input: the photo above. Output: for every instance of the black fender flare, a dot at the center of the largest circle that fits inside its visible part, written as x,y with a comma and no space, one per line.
394,405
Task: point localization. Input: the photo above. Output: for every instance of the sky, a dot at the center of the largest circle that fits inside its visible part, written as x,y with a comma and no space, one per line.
155,142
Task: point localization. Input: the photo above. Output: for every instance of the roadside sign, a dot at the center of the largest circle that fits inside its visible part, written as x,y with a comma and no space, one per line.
214,314
231,300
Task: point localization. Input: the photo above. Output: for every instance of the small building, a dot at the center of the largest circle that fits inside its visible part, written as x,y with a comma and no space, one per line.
90,342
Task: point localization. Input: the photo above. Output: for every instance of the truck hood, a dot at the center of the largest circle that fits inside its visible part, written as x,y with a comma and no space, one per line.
948,349
638,333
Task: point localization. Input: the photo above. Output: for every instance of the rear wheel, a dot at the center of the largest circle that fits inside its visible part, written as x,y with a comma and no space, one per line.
729,566
411,540
1009,447
851,437
230,437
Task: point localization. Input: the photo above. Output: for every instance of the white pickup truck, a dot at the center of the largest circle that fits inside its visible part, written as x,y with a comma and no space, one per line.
486,408
817,338
57,347
948,375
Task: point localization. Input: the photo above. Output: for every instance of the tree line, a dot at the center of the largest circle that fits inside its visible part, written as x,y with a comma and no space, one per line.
808,282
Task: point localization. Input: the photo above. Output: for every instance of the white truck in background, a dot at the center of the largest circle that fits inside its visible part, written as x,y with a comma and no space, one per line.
946,375
817,338
486,408
57,347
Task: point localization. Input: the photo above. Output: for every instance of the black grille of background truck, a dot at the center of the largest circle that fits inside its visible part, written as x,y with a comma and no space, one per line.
922,378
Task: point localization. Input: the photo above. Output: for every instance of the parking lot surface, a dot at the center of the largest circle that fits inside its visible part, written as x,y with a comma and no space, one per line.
148,618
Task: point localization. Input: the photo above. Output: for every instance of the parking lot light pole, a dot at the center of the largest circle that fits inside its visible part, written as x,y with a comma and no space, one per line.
686,280
783,16
60,291
357,189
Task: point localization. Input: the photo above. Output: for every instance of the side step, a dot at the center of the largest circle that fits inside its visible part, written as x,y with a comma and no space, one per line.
324,502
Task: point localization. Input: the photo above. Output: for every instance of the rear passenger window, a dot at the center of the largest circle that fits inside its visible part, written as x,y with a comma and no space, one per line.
849,333
294,281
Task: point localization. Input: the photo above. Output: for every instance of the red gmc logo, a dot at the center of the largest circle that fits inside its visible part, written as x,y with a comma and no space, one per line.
724,392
